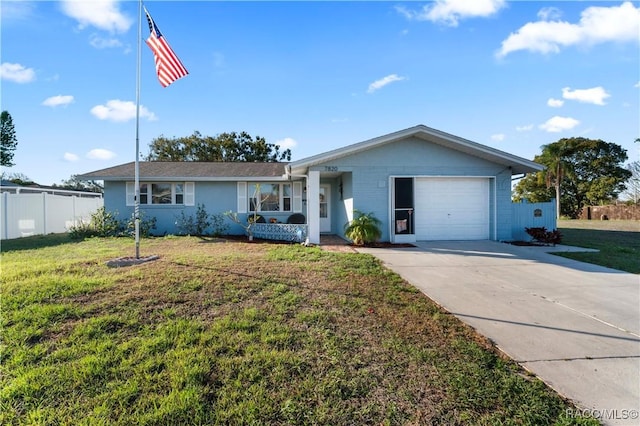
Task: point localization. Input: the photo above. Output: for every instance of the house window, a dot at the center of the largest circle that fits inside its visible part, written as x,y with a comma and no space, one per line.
166,193
270,197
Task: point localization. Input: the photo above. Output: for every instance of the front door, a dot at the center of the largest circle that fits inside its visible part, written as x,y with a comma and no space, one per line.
325,209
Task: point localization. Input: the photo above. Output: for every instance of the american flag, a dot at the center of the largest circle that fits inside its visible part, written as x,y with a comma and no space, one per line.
168,66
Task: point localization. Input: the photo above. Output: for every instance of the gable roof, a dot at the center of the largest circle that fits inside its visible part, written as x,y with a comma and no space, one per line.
193,170
518,164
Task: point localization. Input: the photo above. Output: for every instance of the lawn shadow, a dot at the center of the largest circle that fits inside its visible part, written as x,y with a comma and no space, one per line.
36,242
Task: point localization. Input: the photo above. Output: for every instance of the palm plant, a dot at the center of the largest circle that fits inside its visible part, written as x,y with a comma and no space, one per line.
554,157
363,229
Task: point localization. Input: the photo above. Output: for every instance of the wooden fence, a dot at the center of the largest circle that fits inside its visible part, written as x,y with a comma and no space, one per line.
23,215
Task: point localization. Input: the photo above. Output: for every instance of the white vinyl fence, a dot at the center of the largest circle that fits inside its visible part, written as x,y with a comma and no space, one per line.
23,215
531,215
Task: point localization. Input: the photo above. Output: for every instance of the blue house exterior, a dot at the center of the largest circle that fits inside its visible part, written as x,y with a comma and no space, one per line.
423,184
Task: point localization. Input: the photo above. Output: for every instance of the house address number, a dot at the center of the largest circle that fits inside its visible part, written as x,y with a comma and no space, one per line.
330,168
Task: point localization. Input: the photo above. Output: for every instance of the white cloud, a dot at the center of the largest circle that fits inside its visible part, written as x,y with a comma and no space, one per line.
102,14
100,154
595,95
549,13
379,84
558,124
117,110
287,143
597,25
103,43
55,101
555,103
498,137
17,10
68,156
525,128
16,73
637,84
450,12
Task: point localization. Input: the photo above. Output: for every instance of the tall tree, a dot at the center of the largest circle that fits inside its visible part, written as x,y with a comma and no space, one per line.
229,147
554,156
579,172
8,139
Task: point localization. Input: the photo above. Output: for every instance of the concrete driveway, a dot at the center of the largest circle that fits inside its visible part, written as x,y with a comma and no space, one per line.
575,325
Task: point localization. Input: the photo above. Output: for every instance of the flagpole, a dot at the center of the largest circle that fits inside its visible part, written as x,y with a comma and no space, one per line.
136,211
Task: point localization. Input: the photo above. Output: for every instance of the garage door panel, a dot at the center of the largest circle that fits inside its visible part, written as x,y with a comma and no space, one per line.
452,208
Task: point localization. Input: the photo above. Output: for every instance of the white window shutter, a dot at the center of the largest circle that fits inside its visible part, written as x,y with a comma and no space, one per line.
189,194
131,194
242,197
297,197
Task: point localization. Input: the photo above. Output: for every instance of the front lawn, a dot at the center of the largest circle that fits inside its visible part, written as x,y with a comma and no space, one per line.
617,240
226,332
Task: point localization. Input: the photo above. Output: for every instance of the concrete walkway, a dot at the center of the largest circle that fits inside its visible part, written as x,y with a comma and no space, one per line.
575,325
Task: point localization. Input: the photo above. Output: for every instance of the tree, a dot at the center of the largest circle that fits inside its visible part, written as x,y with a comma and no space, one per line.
632,191
579,172
19,179
229,147
75,184
8,140
554,157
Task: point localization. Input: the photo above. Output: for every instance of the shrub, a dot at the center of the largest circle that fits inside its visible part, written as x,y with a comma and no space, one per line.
219,225
147,224
102,224
363,229
541,235
193,224
199,223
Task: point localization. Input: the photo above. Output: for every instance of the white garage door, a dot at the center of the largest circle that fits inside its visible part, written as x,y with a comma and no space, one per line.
452,209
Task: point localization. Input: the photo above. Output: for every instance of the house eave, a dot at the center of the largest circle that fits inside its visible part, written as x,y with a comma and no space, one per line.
517,164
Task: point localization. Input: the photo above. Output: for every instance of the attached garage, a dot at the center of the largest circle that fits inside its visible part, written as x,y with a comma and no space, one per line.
452,208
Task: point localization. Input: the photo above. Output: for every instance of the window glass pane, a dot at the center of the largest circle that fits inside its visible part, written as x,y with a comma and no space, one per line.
270,197
253,197
161,193
286,197
143,193
179,190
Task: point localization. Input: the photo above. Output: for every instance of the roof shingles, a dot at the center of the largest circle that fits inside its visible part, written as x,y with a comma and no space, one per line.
165,170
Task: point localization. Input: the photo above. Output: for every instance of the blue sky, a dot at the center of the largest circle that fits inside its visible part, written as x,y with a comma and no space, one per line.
314,76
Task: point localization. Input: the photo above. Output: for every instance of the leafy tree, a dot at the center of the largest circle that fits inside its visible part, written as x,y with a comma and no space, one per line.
229,147
8,139
19,179
579,172
75,184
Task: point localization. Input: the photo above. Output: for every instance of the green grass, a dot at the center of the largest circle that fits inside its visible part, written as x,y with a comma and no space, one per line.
221,332
618,242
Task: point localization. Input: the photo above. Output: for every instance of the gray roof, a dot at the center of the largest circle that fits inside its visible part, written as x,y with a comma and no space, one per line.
192,170
517,164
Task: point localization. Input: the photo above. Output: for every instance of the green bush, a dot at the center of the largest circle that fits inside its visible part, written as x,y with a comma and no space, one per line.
199,224
102,224
147,224
363,229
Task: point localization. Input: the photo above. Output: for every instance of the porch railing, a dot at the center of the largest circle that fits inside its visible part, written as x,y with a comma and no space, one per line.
296,233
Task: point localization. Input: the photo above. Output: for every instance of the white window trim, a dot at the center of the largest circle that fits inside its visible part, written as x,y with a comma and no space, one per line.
188,193
244,198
